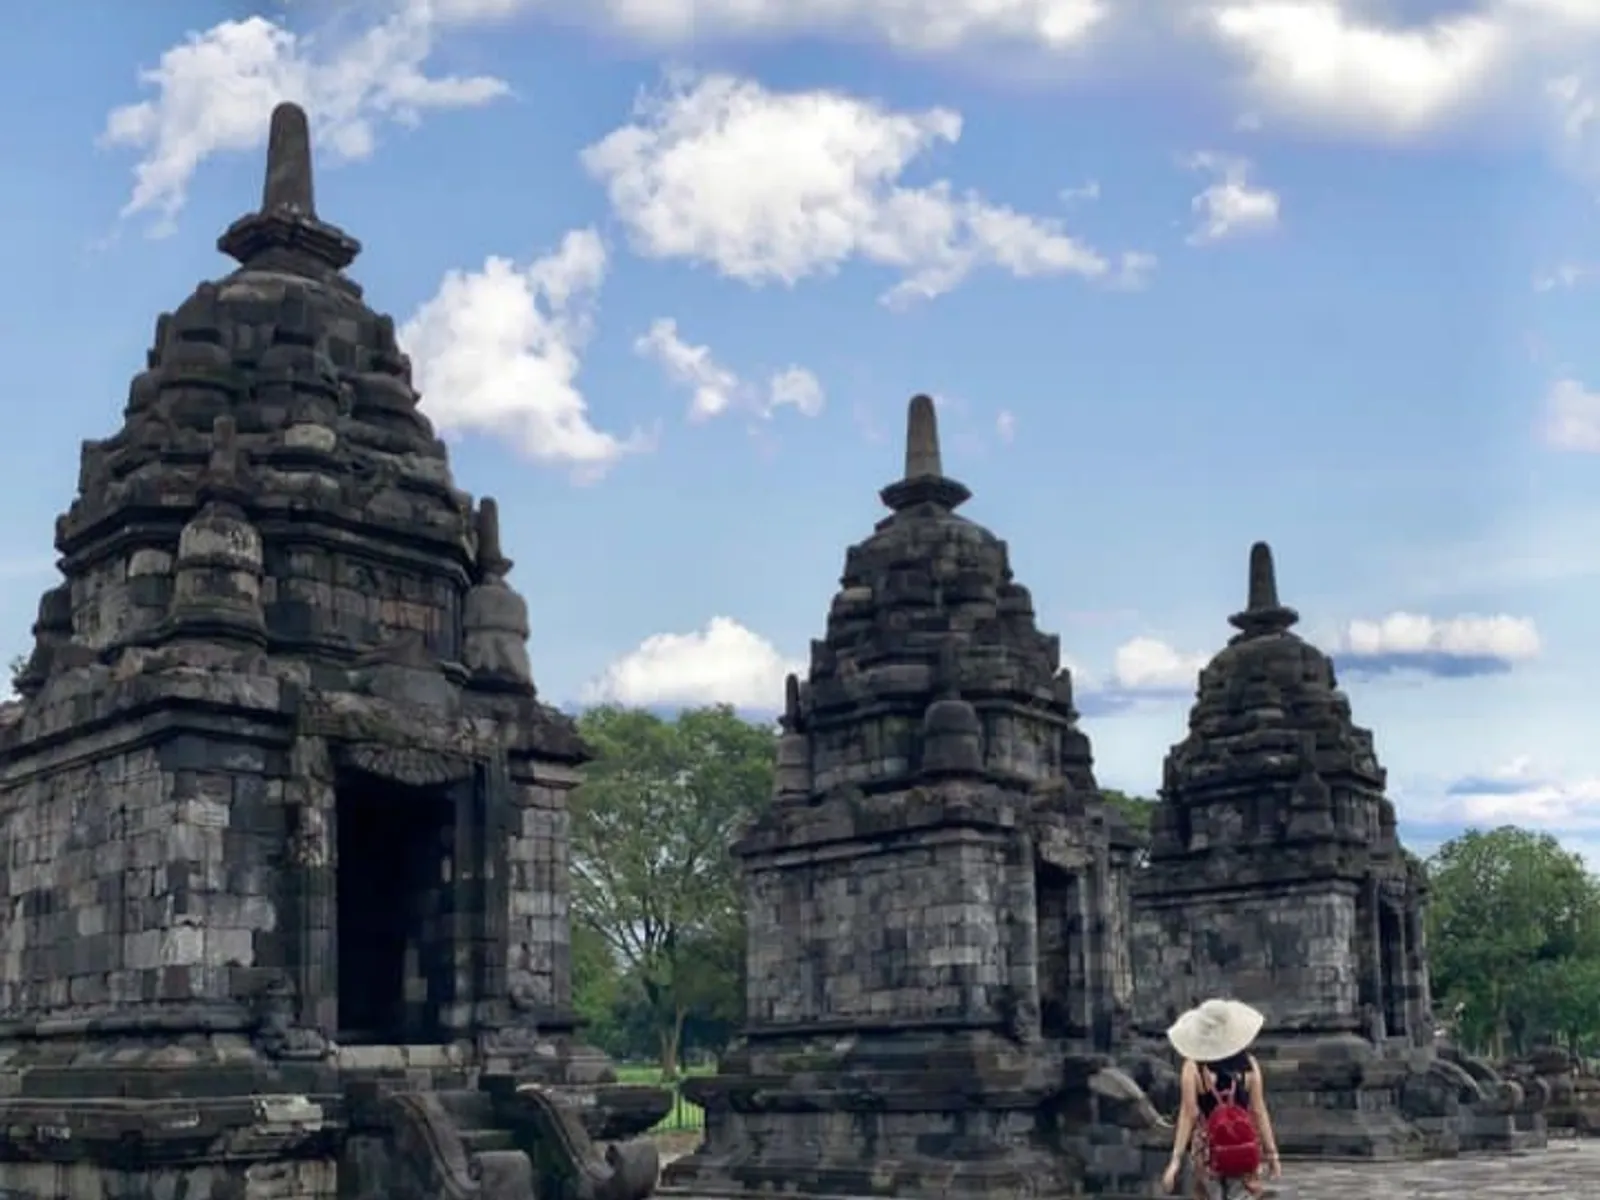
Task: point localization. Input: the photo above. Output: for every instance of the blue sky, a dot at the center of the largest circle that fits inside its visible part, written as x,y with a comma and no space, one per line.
1181,273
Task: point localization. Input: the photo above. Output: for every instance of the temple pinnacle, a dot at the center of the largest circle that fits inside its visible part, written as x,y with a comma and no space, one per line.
922,439
289,182
1263,579
285,234
1263,614
791,704
924,481
492,562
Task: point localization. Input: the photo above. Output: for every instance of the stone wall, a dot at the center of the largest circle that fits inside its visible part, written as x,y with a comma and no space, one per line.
311,593
540,926
904,930
1251,816
866,752
1288,953
181,870
120,597
140,873
1020,746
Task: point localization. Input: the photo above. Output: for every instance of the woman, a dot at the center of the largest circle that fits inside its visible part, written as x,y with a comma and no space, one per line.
1214,1040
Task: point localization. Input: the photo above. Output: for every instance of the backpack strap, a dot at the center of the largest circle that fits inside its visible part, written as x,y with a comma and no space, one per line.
1228,1095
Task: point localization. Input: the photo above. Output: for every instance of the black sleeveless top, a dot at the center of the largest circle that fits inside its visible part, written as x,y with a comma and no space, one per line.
1220,1075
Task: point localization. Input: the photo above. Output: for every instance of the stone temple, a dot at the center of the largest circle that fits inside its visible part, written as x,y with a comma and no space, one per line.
1275,876
936,900
282,817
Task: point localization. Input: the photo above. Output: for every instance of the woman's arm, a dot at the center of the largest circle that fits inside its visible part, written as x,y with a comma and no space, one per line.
1188,1110
1258,1107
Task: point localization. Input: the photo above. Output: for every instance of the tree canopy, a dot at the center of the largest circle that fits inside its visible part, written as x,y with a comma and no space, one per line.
1135,810
652,878
1514,940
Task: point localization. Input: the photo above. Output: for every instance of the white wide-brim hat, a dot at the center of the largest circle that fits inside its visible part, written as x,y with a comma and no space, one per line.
1215,1030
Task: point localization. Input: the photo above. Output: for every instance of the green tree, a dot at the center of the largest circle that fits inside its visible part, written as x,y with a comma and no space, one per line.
1513,933
713,986
1136,810
596,984
651,827
1557,1000
17,666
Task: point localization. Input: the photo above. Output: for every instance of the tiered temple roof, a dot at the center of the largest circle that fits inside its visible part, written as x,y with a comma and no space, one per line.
1273,755
932,660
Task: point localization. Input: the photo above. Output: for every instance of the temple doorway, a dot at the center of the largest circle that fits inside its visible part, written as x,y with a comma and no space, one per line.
1391,962
1059,953
393,847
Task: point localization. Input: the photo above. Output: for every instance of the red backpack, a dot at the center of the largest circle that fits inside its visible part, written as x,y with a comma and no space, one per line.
1233,1144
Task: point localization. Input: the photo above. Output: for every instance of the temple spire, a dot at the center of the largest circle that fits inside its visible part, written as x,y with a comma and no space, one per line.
1263,579
492,562
791,718
289,184
286,234
925,481
922,439
1263,614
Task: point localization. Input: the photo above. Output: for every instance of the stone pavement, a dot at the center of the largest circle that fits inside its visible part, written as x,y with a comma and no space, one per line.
1568,1170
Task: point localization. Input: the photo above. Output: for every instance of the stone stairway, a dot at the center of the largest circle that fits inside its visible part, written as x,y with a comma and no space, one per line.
499,1141
504,1171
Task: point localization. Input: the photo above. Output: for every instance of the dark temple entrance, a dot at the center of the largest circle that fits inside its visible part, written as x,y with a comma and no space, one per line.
1060,953
392,900
1392,961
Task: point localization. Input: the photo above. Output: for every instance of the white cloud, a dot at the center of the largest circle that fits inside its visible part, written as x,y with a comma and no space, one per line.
777,187
1145,673
927,25
1578,107
497,351
1577,122
1572,417
724,663
1319,60
1231,205
1147,669
1500,638
1564,276
716,389
1333,62
1005,425
1520,793
1147,664
796,388
215,90
1570,804
1087,191
713,384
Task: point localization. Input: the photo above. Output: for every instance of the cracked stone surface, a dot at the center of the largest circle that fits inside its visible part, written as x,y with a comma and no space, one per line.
1564,1171
1567,1170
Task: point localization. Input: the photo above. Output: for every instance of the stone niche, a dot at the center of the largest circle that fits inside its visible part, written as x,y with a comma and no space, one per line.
282,820
936,898
1275,876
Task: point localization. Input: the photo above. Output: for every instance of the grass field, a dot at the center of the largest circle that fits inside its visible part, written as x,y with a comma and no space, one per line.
684,1116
